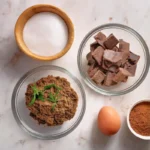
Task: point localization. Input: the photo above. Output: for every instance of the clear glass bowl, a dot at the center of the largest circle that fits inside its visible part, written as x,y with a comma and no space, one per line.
137,45
21,113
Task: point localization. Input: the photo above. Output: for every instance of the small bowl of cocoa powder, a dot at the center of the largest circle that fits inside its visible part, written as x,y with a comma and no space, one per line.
138,119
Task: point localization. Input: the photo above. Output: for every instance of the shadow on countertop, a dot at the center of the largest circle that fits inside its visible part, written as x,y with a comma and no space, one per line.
129,142
98,140
123,140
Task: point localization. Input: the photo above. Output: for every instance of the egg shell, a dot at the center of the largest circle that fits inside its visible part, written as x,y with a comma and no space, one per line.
109,121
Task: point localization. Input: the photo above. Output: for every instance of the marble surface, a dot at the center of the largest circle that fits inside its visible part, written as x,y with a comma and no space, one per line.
85,14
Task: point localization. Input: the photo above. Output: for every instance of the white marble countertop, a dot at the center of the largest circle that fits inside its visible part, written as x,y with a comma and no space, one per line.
85,14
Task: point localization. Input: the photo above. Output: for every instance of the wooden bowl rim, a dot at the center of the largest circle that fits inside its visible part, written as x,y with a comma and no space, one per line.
25,16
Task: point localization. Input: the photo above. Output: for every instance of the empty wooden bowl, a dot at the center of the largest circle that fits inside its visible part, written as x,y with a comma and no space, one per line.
27,14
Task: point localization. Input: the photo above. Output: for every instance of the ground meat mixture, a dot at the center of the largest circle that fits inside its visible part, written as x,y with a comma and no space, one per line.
42,110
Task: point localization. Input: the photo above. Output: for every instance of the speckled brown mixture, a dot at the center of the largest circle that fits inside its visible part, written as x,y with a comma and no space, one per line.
42,110
140,118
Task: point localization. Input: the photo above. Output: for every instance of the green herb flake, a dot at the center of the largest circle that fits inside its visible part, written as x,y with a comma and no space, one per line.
37,94
52,98
33,100
47,87
35,90
53,107
40,96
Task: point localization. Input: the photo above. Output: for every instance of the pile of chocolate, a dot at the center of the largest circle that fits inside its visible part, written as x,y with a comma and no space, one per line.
110,60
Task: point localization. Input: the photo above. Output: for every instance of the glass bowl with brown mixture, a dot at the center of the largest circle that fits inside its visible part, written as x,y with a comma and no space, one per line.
48,102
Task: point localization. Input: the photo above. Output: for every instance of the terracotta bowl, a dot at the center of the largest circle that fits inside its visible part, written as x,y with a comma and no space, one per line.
27,14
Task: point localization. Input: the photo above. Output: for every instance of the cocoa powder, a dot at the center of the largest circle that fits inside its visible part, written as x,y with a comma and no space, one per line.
140,118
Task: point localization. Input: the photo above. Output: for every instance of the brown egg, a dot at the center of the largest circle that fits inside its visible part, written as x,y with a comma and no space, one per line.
108,121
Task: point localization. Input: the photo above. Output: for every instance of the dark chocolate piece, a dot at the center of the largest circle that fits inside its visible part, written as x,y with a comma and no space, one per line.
113,69
90,59
112,56
125,72
93,46
102,69
124,58
98,54
109,79
121,75
98,77
104,66
131,68
92,71
107,63
100,36
133,58
101,43
116,49
123,46
111,41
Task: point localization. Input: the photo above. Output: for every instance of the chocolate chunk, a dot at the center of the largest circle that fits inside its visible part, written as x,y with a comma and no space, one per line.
113,69
131,68
111,42
100,36
123,46
104,66
109,79
102,69
112,56
98,77
119,63
101,43
133,58
92,70
93,46
124,58
116,49
125,72
121,75
98,54
90,59
107,63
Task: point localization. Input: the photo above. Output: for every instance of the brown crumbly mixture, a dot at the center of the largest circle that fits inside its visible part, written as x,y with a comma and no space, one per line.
66,105
140,118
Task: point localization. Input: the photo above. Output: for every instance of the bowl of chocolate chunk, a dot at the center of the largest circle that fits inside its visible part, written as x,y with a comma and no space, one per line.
48,102
138,119
113,59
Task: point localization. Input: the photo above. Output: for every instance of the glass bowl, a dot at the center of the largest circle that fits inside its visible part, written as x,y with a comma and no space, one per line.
137,46
21,113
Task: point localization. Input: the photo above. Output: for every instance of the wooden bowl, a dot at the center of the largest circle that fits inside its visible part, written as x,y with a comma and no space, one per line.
27,14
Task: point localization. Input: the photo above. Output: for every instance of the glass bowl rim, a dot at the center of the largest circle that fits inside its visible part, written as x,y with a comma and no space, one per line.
17,88
129,30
